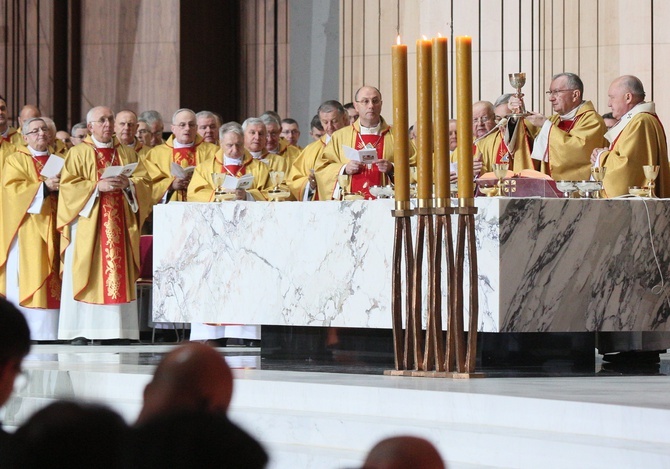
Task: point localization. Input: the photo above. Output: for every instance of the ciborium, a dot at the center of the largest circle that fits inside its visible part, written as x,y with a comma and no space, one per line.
518,80
651,173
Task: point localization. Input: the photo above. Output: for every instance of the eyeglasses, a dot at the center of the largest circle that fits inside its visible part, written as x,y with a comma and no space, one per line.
483,120
366,102
44,130
184,125
80,137
555,92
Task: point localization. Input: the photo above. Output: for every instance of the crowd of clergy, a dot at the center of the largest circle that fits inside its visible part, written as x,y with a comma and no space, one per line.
74,204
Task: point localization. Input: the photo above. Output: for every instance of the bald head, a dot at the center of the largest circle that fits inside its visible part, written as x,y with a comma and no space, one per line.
404,452
624,94
192,377
29,111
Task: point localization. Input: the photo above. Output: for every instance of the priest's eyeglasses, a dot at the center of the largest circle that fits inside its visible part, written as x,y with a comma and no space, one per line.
483,120
44,130
551,93
373,101
183,125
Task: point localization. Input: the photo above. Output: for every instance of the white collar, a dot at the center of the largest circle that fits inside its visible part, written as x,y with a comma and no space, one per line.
109,144
571,115
176,144
232,161
256,154
36,152
371,130
614,132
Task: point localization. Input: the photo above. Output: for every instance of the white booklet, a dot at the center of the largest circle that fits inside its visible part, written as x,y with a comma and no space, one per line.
232,183
366,155
53,166
113,171
181,173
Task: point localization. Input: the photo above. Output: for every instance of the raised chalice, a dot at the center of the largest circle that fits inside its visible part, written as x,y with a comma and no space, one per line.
651,173
518,80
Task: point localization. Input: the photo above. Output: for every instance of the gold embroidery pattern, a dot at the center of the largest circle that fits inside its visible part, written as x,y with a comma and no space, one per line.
112,226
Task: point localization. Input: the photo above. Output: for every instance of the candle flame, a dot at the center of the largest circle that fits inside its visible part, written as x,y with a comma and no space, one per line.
397,41
439,35
424,37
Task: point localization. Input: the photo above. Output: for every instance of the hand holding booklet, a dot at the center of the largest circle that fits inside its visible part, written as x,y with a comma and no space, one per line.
113,171
53,166
181,173
365,156
232,183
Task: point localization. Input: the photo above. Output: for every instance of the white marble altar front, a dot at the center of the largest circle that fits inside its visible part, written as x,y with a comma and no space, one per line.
545,265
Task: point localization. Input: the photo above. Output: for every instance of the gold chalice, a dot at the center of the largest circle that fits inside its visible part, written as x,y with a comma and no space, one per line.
598,175
651,173
277,193
343,181
488,187
500,170
518,80
220,194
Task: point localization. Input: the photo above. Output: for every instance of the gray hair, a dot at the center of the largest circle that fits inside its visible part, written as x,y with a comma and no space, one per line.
231,128
150,117
207,115
504,99
633,85
26,124
80,125
330,106
251,121
89,114
573,83
51,124
269,119
184,109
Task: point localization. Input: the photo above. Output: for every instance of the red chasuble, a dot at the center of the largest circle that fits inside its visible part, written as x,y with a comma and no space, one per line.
112,235
53,280
369,175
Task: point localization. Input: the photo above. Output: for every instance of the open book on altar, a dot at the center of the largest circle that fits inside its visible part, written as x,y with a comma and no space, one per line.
526,183
232,183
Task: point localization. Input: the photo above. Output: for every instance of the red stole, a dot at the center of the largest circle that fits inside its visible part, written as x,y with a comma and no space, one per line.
369,175
503,151
184,157
53,279
112,235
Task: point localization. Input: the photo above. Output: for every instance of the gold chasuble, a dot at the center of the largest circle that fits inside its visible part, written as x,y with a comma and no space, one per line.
641,142
106,251
159,161
201,188
14,137
286,150
571,143
298,177
514,150
39,254
332,159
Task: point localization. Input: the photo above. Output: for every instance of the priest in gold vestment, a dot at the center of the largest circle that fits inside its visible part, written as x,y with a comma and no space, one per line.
564,142
637,139
184,148
99,219
30,255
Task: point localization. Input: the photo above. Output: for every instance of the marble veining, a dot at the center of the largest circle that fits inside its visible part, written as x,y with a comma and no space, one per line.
544,264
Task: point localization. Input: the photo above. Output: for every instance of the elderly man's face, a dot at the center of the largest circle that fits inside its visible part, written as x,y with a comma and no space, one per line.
102,125
208,129
78,136
483,120
184,127
453,139
290,132
156,133
64,137
272,137
3,115
619,100
125,127
232,145
369,106
255,137
562,98
332,121
37,136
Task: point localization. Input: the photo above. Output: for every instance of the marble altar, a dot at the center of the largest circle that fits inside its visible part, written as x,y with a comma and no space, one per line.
545,265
